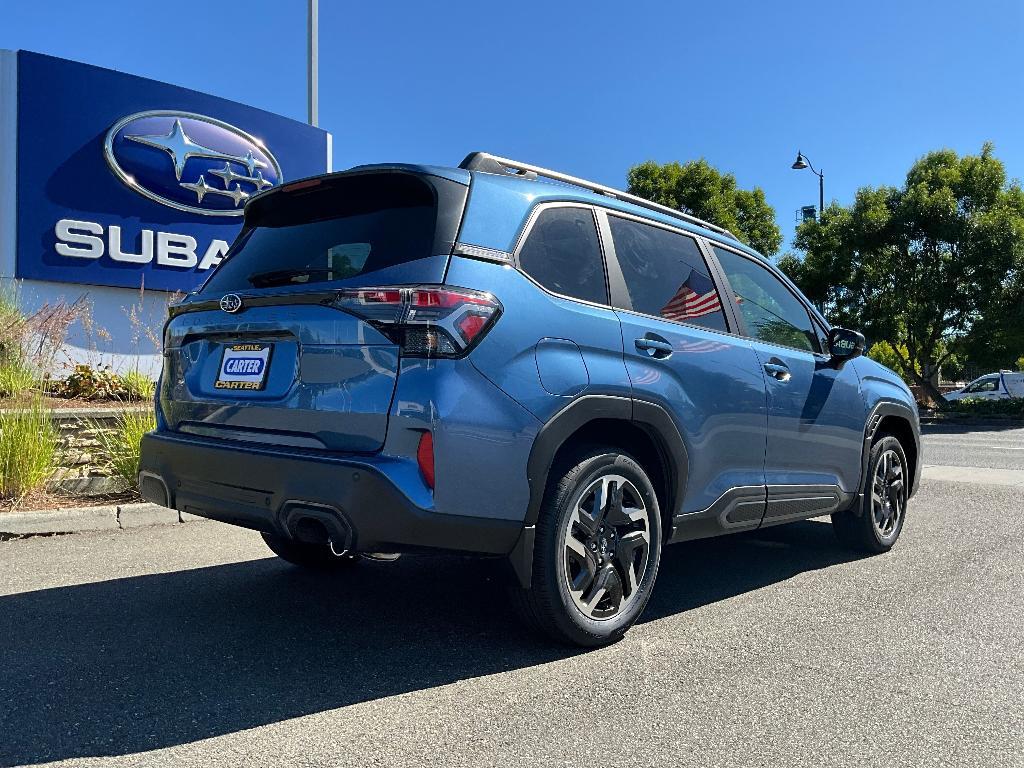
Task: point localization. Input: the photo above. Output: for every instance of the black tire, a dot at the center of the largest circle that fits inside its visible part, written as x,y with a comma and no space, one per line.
320,557
618,551
875,525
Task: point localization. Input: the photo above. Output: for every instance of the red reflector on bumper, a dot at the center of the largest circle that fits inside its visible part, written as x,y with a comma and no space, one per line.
425,458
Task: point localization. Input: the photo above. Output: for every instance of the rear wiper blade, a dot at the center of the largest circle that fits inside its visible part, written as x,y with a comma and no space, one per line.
285,276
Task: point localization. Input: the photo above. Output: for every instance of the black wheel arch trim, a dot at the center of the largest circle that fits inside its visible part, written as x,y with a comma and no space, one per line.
901,411
650,417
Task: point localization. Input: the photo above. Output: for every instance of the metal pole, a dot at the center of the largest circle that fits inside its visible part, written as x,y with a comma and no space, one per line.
821,194
312,60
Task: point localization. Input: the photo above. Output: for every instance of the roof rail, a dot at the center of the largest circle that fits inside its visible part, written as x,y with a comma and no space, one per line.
482,161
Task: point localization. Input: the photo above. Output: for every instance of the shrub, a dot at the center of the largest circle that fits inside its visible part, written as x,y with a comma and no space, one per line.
12,327
120,446
28,449
137,386
888,355
90,383
15,377
976,406
38,339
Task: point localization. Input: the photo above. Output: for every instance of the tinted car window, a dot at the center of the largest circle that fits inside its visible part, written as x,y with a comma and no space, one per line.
771,312
562,254
988,384
665,274
335,229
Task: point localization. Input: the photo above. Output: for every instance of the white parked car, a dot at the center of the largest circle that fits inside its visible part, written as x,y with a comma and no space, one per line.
992,386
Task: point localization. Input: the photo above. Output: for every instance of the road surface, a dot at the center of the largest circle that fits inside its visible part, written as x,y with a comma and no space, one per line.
191,645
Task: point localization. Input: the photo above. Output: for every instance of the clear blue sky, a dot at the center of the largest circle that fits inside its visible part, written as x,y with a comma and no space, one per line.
592,87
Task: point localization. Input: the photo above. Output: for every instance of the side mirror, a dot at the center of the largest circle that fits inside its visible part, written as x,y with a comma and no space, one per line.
844,344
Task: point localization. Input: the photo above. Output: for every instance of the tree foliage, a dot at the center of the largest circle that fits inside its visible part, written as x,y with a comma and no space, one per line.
701,190
885,353
928,266
997,339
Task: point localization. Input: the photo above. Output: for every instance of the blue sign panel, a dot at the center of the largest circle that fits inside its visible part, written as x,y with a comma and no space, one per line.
124,181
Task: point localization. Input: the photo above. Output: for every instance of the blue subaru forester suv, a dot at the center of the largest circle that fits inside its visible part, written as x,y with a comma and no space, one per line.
504,360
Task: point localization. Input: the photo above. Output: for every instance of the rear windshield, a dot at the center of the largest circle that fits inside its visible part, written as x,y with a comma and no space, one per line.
333,229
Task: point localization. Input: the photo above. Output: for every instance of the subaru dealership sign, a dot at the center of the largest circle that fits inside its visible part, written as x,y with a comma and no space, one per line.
124,182
208,142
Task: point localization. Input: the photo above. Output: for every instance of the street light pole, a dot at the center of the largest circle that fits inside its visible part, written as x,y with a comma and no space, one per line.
802,162
312,60
821,193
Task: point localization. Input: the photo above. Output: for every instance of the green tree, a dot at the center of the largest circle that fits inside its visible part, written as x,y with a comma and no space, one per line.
883,352
997,339
701,190
921,266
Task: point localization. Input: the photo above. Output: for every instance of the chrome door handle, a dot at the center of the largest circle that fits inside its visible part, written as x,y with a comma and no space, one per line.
777,371
658,348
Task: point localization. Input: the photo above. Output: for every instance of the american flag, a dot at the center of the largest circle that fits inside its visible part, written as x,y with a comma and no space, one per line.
696,297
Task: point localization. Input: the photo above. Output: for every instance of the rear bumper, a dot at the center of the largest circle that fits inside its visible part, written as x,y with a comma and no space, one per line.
263,489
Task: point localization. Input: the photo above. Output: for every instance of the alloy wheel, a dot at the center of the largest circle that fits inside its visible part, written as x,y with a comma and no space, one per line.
607,547
888,494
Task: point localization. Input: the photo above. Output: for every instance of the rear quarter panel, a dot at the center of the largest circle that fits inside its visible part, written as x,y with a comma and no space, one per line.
482,439
539,329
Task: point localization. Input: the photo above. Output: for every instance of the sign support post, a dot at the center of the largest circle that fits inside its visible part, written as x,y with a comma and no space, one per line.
312,60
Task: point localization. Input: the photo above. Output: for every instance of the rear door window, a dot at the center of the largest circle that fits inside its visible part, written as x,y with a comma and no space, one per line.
665,274
769,309
563,254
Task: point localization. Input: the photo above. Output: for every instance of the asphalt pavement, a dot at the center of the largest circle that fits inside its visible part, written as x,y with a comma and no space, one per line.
992,447
191,645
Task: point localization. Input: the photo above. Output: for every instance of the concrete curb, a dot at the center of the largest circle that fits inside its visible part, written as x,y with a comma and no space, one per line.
974,475
110,517
974,421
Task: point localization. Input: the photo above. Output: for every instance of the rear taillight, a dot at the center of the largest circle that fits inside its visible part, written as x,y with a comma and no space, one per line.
425,320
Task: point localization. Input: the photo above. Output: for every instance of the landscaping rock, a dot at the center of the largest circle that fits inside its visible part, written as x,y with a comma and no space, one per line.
87,485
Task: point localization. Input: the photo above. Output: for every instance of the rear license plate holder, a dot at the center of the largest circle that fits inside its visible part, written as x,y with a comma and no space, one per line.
244,367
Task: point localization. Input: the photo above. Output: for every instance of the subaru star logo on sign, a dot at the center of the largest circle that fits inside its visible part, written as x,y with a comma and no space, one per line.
190,162
124,182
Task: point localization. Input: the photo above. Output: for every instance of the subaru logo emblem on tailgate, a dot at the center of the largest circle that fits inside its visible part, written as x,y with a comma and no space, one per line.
190,162
231,302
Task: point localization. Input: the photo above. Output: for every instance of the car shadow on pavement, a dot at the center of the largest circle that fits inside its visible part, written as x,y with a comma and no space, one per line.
129,665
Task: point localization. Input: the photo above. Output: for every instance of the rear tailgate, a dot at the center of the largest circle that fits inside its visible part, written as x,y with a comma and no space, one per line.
323,378
265,353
